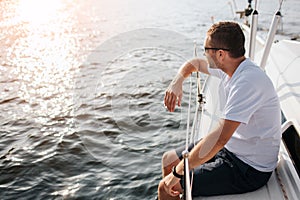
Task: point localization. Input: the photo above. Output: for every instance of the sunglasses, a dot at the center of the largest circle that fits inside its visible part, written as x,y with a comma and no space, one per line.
213,48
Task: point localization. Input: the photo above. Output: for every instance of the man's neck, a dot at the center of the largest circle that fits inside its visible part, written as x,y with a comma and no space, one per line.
232,65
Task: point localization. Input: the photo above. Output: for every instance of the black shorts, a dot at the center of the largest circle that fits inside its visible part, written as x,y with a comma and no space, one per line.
225,174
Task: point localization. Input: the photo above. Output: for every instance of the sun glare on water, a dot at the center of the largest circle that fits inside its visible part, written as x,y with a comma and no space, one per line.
38,11
44,54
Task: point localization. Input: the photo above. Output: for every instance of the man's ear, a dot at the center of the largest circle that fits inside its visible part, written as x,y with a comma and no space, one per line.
221,55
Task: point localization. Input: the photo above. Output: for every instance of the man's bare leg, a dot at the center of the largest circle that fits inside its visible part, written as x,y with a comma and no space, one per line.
169,160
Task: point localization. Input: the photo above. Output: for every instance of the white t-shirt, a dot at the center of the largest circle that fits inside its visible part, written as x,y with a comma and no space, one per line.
250,98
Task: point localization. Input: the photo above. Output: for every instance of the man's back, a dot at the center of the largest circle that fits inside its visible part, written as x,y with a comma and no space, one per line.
249,97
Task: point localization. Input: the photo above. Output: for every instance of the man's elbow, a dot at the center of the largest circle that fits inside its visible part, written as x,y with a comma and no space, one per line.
221,142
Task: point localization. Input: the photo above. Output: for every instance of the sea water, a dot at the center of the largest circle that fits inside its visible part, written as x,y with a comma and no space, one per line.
82,86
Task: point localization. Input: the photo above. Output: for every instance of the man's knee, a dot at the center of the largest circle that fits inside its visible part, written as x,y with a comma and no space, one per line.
170,158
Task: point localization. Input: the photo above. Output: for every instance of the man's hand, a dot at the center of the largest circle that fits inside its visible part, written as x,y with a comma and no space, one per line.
170,182
174,93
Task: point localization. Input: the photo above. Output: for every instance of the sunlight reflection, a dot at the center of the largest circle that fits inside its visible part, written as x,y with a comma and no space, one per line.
38,11
45,57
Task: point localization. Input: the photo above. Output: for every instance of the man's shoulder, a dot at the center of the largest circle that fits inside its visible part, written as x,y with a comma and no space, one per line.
252,74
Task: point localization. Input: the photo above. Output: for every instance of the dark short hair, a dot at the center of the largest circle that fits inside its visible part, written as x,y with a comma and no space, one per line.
228,35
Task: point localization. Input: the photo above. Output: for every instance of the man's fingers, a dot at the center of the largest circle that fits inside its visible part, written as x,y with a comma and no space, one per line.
173,102
179,100
174,193
170,191
170,100
166,98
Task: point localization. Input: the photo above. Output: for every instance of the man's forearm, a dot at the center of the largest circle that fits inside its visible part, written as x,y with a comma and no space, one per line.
193,65
203,151
210,145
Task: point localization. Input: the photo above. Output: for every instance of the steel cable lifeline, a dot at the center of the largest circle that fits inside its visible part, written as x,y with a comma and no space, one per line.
187,192
188,180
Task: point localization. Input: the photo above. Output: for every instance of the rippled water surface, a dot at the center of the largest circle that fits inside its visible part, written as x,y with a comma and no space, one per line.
82,85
